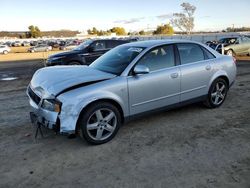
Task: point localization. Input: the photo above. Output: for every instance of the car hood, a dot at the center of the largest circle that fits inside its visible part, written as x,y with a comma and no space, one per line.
72,52
52,81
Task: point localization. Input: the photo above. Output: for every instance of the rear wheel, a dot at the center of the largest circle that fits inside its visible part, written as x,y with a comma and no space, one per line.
100,123
217,93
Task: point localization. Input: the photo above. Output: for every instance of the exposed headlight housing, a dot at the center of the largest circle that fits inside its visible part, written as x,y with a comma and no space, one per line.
52,105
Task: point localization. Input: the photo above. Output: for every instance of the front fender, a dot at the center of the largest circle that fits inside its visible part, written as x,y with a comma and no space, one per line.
71,109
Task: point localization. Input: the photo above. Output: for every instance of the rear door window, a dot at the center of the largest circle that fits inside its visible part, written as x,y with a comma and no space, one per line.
208,55
190,53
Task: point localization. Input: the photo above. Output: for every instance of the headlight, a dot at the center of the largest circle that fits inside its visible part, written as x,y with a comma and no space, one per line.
51,105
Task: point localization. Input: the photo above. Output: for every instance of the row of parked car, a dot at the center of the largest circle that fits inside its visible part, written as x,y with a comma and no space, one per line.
55,43
48,45
232,46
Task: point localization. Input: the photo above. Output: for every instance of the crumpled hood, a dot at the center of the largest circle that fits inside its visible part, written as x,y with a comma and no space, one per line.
53,80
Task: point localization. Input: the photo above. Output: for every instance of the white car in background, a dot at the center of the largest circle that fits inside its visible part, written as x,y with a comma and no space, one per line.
4,49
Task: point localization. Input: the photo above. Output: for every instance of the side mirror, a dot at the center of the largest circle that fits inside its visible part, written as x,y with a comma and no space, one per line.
141,69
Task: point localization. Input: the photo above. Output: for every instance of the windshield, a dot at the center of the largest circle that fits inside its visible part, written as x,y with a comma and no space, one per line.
115,61
83,45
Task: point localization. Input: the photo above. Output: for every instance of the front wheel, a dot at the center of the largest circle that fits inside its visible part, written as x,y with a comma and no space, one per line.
100,123
217,93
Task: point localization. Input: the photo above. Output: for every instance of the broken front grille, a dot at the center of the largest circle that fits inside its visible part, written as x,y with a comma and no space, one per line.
34,96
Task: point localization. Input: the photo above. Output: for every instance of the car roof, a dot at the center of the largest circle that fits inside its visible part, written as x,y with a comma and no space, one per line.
152,43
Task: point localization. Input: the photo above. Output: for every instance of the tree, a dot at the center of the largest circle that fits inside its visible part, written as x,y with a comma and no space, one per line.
166,29
118,30
34,31
184,20
142,32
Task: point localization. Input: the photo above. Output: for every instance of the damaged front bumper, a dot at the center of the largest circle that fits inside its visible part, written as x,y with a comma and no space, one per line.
41,116
44,117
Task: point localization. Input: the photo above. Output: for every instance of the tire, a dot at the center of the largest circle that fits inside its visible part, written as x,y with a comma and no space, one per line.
5,52
217,93
230,52
74,63
99,123
32,51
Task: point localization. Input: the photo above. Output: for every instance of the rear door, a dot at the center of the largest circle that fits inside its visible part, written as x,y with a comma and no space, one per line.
160,87
196,70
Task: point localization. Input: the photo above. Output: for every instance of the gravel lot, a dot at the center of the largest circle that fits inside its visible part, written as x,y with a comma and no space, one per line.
188,147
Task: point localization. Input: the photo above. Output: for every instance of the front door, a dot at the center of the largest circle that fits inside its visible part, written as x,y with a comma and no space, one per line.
97,49
160,87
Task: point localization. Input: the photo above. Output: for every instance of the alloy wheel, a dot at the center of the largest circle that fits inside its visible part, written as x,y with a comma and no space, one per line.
101,124
219,93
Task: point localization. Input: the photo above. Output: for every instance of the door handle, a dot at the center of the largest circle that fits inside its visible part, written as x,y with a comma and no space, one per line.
174,75
208,67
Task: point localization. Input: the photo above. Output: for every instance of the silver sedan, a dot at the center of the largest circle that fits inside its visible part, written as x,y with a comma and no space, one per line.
131,80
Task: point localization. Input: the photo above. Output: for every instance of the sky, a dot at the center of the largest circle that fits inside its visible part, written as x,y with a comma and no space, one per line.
133,15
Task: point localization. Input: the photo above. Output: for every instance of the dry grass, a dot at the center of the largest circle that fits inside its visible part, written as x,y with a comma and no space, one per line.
26,56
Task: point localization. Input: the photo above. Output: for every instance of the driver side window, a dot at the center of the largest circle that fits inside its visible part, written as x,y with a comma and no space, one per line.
98,45
159,58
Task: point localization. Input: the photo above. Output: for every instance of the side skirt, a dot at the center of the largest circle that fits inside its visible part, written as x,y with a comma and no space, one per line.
166,108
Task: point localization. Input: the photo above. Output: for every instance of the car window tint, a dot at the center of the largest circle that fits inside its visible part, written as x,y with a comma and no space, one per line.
111,44
190,53
159,58
208,55
99,45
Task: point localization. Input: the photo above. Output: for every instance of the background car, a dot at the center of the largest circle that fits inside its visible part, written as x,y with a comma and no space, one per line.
70,46
85,53
40,48
4,49
217,45
241,46
25,43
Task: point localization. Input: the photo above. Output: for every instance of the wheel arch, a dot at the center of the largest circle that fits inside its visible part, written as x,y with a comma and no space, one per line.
220,74
111,101
74,60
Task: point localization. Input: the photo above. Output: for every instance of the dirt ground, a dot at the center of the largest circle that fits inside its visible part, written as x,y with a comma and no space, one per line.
190,147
